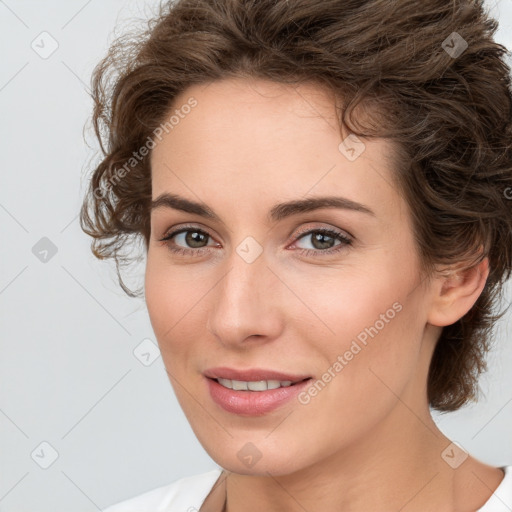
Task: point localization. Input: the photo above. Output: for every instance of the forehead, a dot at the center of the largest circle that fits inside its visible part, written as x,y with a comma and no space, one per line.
256,139
249,114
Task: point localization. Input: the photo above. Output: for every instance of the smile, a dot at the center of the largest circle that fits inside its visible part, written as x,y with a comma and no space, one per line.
257,385
253,398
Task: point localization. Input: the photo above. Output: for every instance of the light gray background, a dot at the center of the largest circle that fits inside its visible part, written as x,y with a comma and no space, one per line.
69,375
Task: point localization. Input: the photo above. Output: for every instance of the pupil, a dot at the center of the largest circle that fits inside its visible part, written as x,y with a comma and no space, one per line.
318,239
194,237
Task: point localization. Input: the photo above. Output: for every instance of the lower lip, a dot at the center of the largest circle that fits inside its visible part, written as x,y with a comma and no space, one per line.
253,403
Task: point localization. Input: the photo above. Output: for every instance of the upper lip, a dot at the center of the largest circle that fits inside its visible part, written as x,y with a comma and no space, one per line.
252,374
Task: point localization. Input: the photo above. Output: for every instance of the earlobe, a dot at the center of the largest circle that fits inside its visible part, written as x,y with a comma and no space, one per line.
455,293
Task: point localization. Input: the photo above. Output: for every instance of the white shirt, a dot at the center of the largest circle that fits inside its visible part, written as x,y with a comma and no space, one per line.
188,494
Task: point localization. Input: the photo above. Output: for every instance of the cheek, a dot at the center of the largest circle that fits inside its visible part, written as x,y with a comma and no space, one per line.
157,295
177,302
166,298
380,359
362,381
374,332
353,304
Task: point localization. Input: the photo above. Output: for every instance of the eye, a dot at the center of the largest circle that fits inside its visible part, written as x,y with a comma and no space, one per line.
190,235
324,241
190,240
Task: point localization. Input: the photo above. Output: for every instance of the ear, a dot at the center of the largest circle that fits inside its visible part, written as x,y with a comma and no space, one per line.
455,292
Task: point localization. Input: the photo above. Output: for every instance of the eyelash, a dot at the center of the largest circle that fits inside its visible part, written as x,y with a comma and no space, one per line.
345,241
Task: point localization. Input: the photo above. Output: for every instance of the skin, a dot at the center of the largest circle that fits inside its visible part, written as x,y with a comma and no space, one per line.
367,441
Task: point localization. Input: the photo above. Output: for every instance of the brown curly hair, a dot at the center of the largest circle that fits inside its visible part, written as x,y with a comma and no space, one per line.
435,83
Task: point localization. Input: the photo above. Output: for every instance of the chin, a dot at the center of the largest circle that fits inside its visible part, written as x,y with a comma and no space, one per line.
261,468
255,458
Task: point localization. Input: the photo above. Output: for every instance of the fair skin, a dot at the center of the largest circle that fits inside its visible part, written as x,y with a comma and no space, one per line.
367,441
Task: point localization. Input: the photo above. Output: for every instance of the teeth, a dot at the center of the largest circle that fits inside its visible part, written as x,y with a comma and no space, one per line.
260,385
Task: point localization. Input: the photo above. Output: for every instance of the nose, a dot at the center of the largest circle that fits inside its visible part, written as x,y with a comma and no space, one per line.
246,303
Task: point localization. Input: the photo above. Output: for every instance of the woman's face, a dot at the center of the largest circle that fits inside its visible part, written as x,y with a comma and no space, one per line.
262,287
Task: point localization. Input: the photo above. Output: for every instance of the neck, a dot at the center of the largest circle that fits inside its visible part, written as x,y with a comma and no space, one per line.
398,466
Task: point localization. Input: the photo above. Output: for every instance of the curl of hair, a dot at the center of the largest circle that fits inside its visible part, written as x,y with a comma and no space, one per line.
450,118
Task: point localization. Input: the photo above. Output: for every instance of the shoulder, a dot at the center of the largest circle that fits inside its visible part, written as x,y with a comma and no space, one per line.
501,499
185,494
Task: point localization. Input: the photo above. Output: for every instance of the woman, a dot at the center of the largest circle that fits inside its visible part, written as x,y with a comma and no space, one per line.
324,193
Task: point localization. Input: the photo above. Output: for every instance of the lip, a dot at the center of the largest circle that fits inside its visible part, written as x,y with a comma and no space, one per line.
252,403
251,374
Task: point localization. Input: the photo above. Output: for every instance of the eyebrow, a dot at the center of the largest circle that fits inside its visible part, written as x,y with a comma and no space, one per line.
277,212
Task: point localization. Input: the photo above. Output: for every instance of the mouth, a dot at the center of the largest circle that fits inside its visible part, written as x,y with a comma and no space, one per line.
257,385
252,392
254,375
